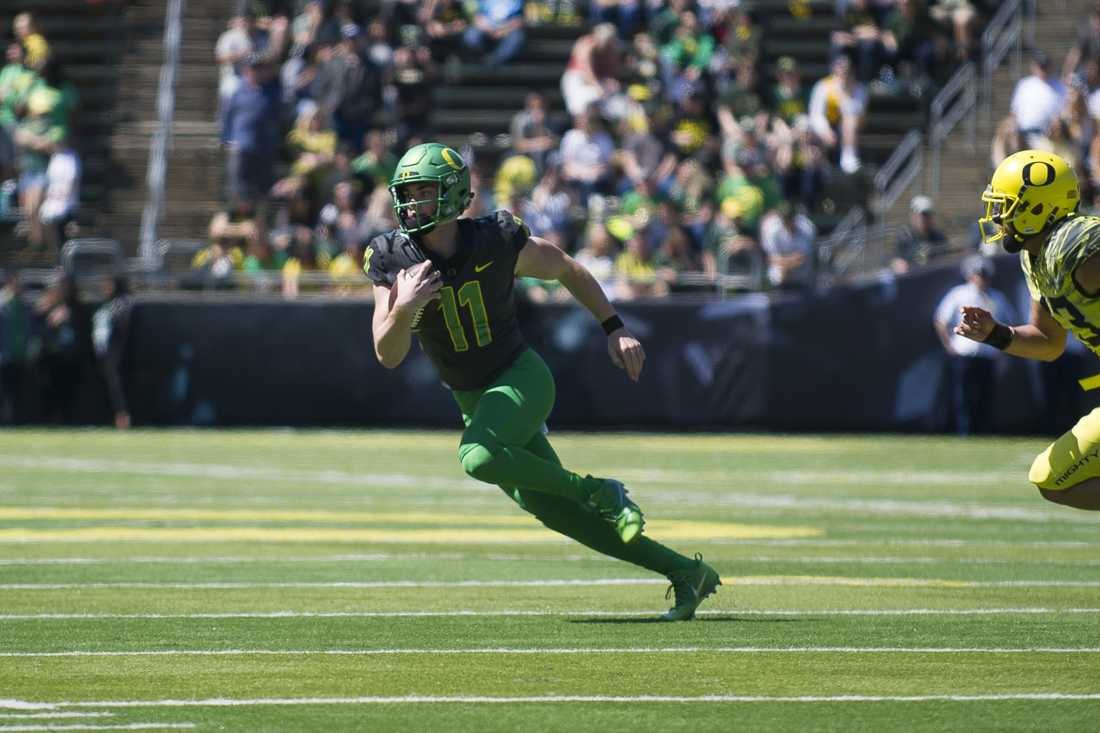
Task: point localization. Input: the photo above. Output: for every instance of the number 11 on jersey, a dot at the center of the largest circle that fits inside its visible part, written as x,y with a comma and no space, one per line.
469,295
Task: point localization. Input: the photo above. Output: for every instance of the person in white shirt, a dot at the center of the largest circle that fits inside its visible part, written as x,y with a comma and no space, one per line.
838,104
1038,99
62,195
972,363
788,240
232,48
586,152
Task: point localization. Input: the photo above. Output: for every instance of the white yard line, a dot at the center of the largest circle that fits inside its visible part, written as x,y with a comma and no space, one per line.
552,650
490,613
799,581
93,726
243,559
355,584
366,479
479,699
924,542
40,716
412,556
876,507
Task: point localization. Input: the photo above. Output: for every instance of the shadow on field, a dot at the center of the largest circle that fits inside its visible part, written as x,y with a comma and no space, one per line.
702,619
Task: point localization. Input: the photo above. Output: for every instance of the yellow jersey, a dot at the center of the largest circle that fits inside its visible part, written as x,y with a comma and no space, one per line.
1050,277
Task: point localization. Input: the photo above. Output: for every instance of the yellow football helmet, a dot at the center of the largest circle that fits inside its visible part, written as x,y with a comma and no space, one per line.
1030,191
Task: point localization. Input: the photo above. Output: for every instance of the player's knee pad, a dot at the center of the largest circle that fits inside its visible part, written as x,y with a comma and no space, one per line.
477,460
1071,459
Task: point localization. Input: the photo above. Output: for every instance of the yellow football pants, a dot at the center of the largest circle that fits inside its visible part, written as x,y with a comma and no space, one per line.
1072,458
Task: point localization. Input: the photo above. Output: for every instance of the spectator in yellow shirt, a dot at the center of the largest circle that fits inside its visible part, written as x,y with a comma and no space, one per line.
637,271
38,51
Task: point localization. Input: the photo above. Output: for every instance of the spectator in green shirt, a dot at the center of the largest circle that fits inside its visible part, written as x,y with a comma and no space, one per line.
15,81
789,96
689,51
36,137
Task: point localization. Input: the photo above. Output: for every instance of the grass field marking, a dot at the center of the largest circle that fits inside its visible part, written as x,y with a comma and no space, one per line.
93,726
165,514
927,542
510,651
39,716
521,613
384,556
752,580
242,559
369,480
893,477
366,479
496,557
931,509
669,529
505,700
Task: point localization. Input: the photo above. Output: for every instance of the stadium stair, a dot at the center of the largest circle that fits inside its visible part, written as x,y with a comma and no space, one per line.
965,171
475,104
194,168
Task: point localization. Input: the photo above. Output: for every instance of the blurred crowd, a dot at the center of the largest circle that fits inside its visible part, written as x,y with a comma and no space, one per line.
39,169
680,157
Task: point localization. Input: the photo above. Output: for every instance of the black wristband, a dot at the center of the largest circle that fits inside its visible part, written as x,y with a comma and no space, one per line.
612,324
1000,337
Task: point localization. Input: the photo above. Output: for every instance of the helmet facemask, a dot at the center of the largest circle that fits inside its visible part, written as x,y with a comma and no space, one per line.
450,201
999,210
407,208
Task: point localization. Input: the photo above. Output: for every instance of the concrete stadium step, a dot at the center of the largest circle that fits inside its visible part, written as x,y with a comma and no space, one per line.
791,27
470,121
511,98
810,71
555,32
545,49
765,9
901,122
533,75
96,51
816,49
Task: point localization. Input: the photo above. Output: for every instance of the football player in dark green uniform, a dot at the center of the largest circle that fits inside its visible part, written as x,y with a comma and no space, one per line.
454,281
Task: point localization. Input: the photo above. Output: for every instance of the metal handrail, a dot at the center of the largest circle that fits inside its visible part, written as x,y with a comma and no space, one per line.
957,100
162,137
106,251
897,173
848,238
1004,32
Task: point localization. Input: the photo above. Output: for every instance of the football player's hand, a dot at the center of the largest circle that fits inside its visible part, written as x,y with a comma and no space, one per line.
417,286
976,323
626,352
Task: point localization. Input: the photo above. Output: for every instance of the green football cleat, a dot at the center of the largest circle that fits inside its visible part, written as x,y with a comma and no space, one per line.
611,503
690,589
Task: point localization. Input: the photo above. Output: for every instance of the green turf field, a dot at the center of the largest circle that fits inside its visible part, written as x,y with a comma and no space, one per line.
317,581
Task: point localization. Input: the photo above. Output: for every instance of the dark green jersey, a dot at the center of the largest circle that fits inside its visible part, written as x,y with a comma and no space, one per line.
471,333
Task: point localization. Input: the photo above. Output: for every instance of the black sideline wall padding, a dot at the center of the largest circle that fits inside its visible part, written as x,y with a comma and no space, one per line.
854,358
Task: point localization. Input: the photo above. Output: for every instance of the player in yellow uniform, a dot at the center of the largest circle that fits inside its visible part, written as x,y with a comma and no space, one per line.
1031,206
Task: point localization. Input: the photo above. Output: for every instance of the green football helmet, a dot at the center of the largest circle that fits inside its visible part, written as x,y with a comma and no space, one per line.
432,163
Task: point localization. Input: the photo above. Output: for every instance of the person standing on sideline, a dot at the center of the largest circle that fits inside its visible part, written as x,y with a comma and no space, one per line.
973,364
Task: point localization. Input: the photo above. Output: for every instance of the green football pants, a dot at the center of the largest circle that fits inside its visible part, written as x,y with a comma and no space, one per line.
504,444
